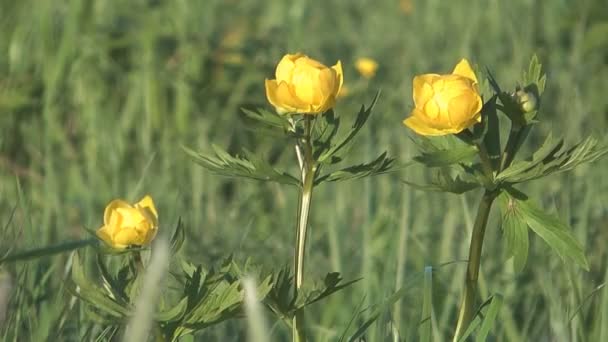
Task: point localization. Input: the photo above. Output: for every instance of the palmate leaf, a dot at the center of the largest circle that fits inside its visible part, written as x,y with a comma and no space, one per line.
335,152
216,295
550,228
267,118
533,81
280,299
268,123
515,232
82,287
380,165
443,181
284,304
174,313
535,76
326,128
552,158
247,166
549,147
441,158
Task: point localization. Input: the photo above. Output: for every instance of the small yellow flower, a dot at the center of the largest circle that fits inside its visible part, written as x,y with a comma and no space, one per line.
129,225
303,85
445,104
366,66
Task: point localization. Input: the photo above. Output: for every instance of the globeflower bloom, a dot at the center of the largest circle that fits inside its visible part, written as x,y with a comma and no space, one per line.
304,85
129,225
367,67
445,104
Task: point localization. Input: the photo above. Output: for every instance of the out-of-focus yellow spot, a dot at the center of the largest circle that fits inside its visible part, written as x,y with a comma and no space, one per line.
367,67
406,6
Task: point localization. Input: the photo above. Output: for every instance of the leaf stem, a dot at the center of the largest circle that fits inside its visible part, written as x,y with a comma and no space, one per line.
486,162
47,250
513,143
467,305
307,168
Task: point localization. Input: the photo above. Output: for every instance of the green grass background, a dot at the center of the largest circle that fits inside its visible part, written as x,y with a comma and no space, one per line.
96,98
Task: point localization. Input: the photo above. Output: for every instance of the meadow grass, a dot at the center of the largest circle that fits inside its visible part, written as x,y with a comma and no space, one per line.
97,98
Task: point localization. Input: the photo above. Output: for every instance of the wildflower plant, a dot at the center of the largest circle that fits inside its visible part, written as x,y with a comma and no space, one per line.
303,94
450,106
112,279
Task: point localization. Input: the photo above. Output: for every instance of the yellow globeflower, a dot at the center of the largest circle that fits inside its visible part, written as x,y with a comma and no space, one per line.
366,66
129,225
445,104
303,85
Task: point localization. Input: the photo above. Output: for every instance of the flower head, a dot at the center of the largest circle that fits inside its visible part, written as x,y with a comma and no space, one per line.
445,104
367,67
129,225
304,85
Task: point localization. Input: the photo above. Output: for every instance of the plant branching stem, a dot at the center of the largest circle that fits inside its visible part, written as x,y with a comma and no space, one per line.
467,306
307,168
515,136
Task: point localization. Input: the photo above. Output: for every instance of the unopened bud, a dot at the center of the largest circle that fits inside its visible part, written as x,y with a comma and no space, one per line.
527,100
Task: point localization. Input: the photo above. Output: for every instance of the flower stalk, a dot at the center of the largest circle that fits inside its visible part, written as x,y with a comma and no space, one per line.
467,306
307,169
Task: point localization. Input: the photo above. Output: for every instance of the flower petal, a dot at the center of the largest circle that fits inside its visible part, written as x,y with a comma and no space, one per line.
105,234
273,97
339,76
420,126
309,62
147,202
111,207
284,99
147,208
463,68
128,236
464,108
422,88
286,66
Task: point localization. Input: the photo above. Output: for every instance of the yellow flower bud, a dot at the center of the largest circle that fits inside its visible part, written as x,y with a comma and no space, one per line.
445,104
129,225
303,85
526,100
367,67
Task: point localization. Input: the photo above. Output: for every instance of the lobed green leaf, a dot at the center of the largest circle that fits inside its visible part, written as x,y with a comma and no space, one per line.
515,231
248,166
552,230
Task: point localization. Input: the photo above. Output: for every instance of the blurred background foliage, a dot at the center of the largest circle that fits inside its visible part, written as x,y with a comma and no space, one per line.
97,98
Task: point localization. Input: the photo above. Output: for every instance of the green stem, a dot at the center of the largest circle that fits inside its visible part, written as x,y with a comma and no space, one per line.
486,162
513,143
47,251
307,168
467,306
